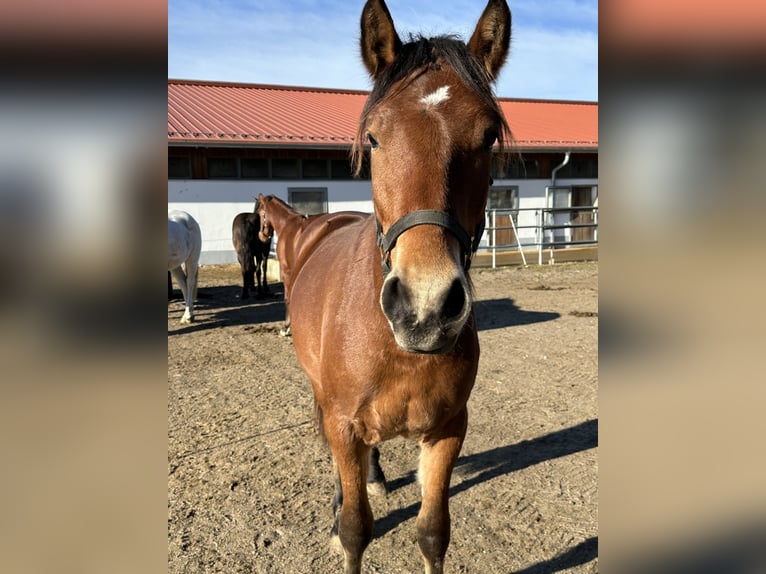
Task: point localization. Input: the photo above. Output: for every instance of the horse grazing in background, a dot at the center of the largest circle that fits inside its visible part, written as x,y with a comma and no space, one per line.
184,248
380,305
251,235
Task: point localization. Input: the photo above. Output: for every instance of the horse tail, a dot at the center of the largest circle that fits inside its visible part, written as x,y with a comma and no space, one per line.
242,235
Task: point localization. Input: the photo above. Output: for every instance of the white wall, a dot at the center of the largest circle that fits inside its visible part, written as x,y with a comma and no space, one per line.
215,203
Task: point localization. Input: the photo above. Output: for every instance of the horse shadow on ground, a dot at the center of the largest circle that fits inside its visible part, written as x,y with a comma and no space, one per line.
501,313
229,310
484,466
222,307
582,553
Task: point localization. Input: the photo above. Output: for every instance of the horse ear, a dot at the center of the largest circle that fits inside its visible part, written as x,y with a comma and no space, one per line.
380,43
492,36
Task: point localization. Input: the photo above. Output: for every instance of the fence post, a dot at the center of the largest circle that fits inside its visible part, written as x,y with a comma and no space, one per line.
494,239
540,234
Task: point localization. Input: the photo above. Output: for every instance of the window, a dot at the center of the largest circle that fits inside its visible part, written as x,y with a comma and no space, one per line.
505,200
580,167
222,168
285,168
341,169
506,197
179,167
254,168
583,220
515,167
567,222
315,169
308,201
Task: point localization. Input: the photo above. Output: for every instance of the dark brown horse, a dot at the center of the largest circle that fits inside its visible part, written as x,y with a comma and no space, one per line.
251,236
381,305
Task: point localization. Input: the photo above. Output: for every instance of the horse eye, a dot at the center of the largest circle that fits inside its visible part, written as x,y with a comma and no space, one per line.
372,140
490,137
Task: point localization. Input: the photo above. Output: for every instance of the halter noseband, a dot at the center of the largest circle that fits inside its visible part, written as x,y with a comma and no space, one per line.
428,217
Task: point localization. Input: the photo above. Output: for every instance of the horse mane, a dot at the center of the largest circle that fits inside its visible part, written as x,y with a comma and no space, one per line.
284,204
415,58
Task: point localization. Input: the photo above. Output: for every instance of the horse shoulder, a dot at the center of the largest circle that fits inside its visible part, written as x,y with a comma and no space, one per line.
327,291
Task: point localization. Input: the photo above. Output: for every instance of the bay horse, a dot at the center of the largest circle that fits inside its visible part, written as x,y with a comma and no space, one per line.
251,236
289,224
184,248
380,305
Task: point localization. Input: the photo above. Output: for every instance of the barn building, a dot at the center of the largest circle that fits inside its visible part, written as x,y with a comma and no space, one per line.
228,142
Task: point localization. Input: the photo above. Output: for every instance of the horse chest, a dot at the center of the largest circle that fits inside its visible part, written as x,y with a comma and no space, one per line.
412,409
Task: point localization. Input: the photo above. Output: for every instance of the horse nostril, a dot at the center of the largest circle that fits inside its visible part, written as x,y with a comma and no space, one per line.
395,299
455,300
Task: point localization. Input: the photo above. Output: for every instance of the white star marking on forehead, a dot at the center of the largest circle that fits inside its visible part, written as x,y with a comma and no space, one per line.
437,97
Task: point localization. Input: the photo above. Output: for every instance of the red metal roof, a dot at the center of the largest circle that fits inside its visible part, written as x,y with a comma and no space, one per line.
221,113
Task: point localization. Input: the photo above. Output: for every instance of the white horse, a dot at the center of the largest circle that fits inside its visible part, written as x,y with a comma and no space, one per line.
184,247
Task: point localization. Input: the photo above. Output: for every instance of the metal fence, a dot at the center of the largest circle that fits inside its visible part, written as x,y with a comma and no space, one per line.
539,229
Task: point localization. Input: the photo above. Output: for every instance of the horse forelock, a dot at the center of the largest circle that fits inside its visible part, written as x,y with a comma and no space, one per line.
418,57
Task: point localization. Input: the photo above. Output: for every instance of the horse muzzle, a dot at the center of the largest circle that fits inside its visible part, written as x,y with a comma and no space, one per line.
426,318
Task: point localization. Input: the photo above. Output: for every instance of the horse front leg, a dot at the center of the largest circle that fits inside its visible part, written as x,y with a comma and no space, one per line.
437,459
376,480
286,330
353,519
376,486
337,504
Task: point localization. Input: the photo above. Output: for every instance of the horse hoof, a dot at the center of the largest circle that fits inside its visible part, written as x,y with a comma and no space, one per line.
185,320
377,489
284,332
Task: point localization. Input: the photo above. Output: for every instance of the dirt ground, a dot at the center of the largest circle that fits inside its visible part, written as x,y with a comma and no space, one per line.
250,485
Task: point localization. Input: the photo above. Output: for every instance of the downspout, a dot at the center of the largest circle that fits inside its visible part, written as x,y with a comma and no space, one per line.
558,167
553,177
548,204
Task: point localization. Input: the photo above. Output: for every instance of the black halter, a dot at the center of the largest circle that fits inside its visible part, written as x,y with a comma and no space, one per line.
387,241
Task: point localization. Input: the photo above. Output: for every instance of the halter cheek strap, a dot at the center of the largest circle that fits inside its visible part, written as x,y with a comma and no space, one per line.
386,241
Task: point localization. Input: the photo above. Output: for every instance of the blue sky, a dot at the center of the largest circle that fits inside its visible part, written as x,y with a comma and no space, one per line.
554,43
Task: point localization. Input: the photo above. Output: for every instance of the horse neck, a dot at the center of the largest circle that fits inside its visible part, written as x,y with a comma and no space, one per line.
282,217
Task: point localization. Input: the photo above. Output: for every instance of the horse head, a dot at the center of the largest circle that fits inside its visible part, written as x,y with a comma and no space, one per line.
431,121
266,229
